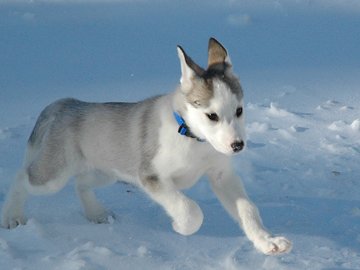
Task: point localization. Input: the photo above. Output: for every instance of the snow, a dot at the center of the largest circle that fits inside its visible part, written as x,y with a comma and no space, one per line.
299,66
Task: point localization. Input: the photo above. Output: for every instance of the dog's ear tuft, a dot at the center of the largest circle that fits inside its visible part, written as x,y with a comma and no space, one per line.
189,69
217,53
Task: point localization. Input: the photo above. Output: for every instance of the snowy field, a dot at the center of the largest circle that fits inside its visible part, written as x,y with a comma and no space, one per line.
299,63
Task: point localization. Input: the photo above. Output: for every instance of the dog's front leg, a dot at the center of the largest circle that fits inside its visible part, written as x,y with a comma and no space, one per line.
229,189
186,214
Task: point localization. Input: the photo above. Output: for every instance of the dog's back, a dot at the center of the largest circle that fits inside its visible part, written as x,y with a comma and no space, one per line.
73,136
46,119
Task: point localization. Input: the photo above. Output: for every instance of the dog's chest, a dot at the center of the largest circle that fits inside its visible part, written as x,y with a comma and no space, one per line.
183,164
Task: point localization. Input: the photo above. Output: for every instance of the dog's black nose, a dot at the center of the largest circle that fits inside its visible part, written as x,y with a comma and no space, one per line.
237,146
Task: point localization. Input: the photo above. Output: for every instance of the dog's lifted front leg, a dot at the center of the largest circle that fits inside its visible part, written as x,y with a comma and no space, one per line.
229,189
186,214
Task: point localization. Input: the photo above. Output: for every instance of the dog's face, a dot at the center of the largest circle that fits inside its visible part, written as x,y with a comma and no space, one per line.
214,100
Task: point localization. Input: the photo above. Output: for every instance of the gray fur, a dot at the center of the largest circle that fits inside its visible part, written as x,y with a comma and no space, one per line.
151,182
203,91
67,122
149,135
223,73
219,68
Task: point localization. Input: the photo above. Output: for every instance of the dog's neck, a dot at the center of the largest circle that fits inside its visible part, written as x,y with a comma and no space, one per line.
184,129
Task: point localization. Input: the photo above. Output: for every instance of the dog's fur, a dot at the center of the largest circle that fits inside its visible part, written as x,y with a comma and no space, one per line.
99,143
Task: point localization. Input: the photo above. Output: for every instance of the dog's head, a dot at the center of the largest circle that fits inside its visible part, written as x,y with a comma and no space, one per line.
214,100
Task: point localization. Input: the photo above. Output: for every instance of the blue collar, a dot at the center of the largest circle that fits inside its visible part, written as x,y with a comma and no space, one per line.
184,129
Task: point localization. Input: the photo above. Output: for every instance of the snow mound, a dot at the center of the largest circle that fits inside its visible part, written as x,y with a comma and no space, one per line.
355,125
343,126
276,111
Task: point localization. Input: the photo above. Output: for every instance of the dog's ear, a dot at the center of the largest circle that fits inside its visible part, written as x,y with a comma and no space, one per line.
189,69
217,53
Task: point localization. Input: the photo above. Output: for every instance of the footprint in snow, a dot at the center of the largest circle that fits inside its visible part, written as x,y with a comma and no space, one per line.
13,132
5,133
253,145
333,104
327,105
298,129
346,108
341,125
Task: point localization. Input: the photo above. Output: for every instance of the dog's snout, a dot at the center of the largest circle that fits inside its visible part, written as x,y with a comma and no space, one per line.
237,146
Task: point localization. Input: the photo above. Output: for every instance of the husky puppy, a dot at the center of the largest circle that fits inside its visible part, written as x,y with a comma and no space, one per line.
163,144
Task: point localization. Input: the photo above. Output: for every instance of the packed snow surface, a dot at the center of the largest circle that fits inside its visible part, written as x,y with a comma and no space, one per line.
299,64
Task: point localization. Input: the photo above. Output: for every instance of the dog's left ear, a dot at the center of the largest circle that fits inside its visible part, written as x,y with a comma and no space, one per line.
217,53
189,69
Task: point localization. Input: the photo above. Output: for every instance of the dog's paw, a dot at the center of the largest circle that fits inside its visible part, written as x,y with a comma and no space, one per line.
190,221
104,217
11,222
273,245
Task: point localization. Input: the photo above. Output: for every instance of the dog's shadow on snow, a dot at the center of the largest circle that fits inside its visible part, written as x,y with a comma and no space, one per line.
333,219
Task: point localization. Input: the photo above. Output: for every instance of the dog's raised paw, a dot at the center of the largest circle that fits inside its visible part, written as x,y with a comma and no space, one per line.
191,221
274,245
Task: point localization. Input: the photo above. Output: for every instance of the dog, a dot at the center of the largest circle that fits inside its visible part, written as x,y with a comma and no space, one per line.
163,145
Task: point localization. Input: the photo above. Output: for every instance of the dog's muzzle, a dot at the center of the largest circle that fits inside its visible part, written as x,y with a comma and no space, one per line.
237,146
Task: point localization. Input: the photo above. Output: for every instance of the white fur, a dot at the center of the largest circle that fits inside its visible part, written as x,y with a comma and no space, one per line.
187,74
179,162
228,129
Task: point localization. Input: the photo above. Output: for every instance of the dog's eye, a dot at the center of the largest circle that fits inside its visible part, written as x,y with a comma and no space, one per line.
213,117
239,111
197,103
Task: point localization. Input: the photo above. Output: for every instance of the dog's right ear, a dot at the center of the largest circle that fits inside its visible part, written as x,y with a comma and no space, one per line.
189,69
217,53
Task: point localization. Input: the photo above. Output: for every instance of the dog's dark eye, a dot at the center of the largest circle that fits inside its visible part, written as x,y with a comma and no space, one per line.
213,117
239,111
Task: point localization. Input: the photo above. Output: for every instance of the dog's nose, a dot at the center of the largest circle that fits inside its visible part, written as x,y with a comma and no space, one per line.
237,146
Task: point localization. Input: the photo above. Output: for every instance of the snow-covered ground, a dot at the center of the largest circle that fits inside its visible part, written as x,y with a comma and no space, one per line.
299,63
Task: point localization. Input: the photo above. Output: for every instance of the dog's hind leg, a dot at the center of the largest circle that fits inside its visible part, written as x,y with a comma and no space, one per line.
93,209
43,172
13,209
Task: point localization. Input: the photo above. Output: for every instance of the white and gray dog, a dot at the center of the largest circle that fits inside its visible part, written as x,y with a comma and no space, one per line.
163,144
